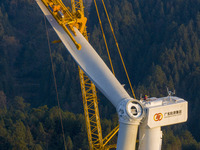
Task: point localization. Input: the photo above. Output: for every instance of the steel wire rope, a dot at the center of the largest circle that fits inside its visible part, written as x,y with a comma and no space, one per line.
108,137
118,49
104,37
55,84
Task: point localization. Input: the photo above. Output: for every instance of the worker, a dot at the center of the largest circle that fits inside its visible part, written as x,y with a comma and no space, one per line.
145,97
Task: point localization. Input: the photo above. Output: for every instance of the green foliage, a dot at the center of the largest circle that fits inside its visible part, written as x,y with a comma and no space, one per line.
171,142
41,128
183,140
69,143
3,103
37,147
160,44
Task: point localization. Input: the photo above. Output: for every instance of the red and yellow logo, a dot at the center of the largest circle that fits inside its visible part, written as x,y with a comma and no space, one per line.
158,116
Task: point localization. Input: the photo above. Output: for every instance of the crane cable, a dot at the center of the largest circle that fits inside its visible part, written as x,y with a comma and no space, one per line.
104,37
55,84
118,49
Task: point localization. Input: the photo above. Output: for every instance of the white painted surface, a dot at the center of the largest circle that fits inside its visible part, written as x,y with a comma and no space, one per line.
150,139
89,61
171,110
99,73
160,112
127,136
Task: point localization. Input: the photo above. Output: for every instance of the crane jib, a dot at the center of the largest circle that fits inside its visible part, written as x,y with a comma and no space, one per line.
159,111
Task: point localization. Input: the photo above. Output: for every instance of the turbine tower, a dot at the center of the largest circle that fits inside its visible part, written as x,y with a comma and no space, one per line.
148,114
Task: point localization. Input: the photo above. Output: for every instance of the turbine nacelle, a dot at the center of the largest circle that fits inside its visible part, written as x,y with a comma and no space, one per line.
130,111
160,112
165,111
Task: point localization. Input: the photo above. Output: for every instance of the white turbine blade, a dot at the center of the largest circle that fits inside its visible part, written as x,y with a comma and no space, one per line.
127,136
89,61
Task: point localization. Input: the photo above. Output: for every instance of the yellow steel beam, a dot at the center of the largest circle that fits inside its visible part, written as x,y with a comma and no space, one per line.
110,135
68,20
90,102
91,112
63,16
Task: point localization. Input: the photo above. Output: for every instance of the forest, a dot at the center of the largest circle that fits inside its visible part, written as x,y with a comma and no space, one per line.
160,44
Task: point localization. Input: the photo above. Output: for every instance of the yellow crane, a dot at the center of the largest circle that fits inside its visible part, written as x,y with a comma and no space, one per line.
130,111
68,19
90,101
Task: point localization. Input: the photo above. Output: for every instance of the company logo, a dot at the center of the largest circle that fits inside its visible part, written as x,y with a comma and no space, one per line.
172,113
158,117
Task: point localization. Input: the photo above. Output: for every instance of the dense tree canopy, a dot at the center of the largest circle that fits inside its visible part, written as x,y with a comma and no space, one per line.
160,44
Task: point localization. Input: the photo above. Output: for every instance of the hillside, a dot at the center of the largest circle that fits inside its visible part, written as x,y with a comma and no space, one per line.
160,43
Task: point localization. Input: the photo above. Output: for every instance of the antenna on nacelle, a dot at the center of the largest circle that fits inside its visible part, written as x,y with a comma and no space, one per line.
170,93
160,112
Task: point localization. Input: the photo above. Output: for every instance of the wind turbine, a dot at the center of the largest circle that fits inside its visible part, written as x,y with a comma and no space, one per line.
130,111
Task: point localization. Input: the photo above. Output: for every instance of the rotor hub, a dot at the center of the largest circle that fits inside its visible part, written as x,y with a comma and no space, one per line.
130,111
